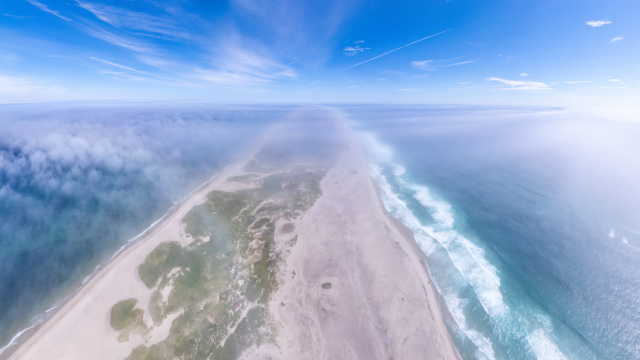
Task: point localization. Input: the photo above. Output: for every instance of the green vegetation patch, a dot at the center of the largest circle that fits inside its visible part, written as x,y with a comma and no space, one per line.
127,319
123,314
237,265
246,179
160,262
326,285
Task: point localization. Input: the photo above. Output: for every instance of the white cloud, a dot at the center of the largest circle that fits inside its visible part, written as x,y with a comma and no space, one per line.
44,7
617,38
598,23
578,82
521,84
423,65
524,74
355,49
462,63
614,80
118,65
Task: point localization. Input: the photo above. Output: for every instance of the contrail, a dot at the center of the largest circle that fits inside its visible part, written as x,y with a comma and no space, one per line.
389,52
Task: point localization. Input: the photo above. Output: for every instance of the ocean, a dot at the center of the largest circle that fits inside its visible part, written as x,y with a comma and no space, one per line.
529,219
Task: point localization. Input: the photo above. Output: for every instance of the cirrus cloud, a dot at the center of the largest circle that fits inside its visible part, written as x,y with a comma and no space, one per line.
521,84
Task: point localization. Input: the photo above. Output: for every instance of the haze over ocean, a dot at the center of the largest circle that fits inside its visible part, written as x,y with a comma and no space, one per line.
527,216
529,220
77,182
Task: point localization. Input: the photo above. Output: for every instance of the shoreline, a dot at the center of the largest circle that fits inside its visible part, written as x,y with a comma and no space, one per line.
383,302
78,294
43,318
410,241
37,325
354,285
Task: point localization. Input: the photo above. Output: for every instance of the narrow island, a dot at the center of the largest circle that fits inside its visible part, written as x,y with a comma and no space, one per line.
288,255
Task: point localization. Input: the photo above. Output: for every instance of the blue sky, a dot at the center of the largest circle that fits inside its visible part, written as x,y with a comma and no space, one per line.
512,52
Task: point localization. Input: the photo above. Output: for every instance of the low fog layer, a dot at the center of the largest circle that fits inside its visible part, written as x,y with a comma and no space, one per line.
75,183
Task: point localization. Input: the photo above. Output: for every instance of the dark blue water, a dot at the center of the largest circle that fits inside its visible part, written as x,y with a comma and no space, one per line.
78,182
530,221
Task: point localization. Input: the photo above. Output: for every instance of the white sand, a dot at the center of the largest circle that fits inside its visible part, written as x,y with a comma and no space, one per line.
381,304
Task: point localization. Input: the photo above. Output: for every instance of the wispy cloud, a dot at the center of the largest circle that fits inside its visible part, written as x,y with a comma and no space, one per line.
578,82
524,74
118,65
44,7
15,16
117,40
401,47
124,76
244,65
152,60
423,65
598,23
355,49
617,38
521,84
133,20
614,80
462,63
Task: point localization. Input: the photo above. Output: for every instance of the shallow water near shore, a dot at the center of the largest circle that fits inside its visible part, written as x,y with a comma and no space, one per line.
528,220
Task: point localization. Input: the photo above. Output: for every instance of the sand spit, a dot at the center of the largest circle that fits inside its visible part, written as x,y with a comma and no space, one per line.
356,286
351,282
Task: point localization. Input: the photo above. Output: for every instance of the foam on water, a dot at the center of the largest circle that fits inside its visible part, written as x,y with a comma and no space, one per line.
16,336
399,209
485,348
543,347
508,324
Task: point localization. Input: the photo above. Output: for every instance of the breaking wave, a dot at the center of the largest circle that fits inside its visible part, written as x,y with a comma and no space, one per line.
489,322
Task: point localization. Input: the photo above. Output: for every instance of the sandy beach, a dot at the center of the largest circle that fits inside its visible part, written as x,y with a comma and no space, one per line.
354,286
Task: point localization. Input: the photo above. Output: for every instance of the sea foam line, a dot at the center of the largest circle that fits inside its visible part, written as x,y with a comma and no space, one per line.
399,209
478,272
16,336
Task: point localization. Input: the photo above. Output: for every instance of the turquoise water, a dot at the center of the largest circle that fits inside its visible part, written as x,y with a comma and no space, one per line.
529,222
